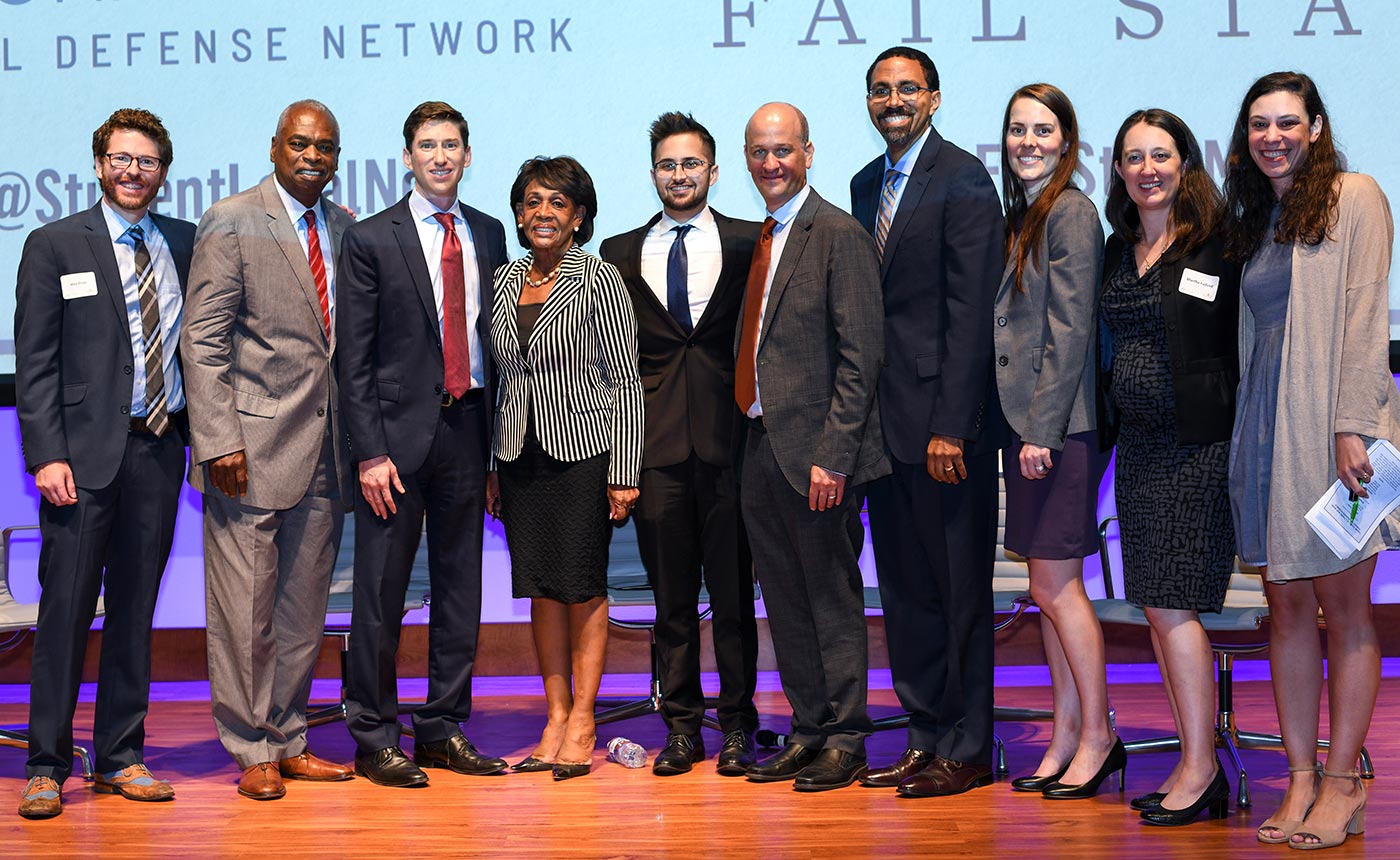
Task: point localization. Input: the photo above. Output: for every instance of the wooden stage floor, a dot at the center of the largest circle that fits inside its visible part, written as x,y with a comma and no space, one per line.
620,813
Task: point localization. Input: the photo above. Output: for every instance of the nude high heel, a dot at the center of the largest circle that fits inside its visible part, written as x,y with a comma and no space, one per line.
1332,838
1285,826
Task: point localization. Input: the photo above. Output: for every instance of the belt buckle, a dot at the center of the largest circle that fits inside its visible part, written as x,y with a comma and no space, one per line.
448,399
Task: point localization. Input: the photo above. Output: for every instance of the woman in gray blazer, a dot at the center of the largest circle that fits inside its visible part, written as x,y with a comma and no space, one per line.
1316,245
567,445
1044,335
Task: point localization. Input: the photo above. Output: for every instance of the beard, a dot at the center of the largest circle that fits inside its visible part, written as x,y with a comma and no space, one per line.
898,135
693,201
128,199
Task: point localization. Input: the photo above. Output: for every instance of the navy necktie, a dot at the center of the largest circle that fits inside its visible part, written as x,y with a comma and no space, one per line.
677,265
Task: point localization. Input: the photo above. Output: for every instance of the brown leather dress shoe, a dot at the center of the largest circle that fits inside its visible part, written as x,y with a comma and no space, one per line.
891,775
262,781
944,777
133,782
42,798
309,767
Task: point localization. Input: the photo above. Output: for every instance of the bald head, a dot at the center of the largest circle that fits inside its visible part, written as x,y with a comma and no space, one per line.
306,150
778,152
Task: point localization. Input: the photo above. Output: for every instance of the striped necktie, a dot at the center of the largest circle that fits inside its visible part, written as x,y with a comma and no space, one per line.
887,198
149,299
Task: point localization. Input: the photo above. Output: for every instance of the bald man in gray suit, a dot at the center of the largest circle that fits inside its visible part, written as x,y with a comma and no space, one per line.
264,434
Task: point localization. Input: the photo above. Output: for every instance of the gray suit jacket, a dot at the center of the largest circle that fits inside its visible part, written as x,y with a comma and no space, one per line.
821,349
258,372
1045,335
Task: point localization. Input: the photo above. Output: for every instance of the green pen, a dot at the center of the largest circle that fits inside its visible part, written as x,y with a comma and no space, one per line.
1355,503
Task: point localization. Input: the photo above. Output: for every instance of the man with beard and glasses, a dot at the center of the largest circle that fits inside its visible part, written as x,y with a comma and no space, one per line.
266,446
937,223
101,406
685,270
417,392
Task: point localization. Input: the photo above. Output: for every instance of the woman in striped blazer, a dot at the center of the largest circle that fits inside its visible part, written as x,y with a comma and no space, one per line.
567,446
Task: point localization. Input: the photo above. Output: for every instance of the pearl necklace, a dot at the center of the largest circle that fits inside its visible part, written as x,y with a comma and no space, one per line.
546,278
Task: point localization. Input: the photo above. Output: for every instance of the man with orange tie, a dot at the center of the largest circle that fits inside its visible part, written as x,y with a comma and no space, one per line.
266,448
807,360
416,392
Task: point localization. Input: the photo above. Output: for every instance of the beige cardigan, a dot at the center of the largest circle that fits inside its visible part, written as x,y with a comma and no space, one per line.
1334,378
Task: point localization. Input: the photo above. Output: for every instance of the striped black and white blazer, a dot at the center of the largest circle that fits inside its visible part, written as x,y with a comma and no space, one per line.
579,373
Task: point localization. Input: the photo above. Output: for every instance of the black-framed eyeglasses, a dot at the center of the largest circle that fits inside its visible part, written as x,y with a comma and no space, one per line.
687,165
122,160
880,92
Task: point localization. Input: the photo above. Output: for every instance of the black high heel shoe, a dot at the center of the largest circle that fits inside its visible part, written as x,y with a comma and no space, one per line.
1216,799
530,764
1037,783
1116,760
569,770
1144,802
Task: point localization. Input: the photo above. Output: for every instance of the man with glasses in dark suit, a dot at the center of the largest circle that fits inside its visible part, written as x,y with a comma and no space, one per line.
685,271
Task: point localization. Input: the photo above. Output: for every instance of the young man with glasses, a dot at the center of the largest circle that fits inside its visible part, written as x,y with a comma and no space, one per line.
685,270
101,410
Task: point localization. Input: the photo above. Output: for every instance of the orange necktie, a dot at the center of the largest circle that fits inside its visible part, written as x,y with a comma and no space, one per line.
746,375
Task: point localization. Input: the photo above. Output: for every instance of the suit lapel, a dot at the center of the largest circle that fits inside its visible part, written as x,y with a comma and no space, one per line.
108,274
485,274
729,275
284,233
640,288
406,233
796,242
915,185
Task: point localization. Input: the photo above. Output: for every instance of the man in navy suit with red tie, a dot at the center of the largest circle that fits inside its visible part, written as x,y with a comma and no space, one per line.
416,391
101,411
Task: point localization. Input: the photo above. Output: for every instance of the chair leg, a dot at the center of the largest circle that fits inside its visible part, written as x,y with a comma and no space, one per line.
626,709
84,761
19,739
1170,743
1016,715
336,710
1227,741
999,757
898,721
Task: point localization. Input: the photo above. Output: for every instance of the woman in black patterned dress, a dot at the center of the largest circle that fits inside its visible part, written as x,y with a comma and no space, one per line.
1168,316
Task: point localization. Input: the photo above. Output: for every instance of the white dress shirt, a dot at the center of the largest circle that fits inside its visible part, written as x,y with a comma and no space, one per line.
704,259
784,216
170,298
905,166
297,212
431,235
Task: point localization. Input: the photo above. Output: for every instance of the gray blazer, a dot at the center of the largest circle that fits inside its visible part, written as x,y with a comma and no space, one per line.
1045,336
821,349
257,360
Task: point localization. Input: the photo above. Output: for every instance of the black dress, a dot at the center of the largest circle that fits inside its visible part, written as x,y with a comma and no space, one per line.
1173,500
555,514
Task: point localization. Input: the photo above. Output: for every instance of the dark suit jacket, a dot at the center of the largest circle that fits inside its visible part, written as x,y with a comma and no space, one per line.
821,348
688,380
73,360
940,271
388,345
1203,342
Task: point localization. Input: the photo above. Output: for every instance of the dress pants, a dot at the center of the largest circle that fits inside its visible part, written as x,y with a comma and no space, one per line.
807,562
267,579
449,489
118,536
935,545
688,525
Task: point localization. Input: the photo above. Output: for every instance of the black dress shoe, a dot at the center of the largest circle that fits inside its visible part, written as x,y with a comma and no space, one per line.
944,777
890,776
1144,802
456,753
831,769
1115,761
680,753
1216,799
737,755
1037,783
390,767
530,764
784,765
567,770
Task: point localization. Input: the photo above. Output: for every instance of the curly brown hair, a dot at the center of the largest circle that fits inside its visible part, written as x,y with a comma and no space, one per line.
1025,222
133,119
1309,207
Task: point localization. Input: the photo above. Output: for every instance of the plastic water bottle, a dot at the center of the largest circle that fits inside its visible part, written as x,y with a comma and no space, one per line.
627,753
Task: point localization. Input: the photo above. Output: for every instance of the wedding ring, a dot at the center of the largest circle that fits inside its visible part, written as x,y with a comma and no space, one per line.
1040,467
947,468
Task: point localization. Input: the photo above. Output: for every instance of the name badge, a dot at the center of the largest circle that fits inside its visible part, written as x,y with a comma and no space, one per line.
78,285
1199,285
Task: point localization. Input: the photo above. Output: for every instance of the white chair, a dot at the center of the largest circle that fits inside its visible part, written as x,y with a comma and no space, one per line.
342,598
1237,629
16,621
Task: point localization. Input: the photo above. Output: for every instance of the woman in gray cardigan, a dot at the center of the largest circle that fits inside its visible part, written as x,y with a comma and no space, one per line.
1044,327
1315,391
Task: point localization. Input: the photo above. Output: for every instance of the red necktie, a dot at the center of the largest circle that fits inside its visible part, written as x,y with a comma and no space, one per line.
456,354
745,376
318,269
